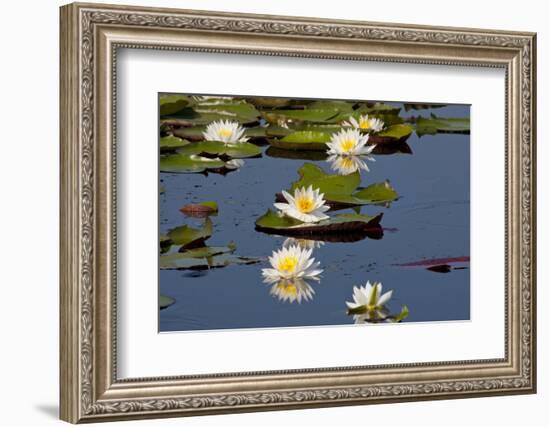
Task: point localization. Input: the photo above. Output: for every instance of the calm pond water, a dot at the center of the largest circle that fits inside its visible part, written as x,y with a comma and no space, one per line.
431,219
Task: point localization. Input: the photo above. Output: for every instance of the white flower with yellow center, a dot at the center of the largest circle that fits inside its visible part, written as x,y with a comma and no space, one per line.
344,165
225,131
291,263
292,290
303,243
369,302
307,205
349,142
365,123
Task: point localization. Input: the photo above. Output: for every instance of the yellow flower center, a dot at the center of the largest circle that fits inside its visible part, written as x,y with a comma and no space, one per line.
289,289
347,145
288,264
364,124
305,204
225,132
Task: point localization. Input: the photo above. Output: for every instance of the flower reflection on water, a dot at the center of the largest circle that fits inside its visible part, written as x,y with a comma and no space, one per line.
292,290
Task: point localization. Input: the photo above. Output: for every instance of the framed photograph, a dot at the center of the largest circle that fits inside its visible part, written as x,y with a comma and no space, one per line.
267,212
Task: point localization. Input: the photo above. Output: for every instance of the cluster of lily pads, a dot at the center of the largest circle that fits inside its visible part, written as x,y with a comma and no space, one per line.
214,134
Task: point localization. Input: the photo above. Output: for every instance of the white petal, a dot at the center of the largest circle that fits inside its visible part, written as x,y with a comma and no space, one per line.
281,206
384,298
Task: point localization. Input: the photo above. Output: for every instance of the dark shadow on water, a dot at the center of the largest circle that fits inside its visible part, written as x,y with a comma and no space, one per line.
50,410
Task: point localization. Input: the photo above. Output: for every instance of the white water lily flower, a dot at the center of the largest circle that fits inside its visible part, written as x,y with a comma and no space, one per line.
365,123
303,243
292,290
226,131
370,298
291,263
349,142
344,165
307,205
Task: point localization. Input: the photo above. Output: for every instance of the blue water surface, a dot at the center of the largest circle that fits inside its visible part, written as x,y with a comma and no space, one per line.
431,219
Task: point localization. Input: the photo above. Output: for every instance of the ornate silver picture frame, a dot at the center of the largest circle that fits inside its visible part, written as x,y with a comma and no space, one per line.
91,34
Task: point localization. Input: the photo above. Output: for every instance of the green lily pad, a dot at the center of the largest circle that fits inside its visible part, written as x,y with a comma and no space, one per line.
261,102
275,131
392,134
303,140
272,222
195,133
434,125
238,150
171,143
380,192
340,106
322,116
189,163
170,104
342,190
378,108
165,301
282,153
208,251
241,111
207,114
189,237
311,174
180,261
420,106
315,137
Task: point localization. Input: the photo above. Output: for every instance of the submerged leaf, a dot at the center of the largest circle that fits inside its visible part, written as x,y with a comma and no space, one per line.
165,301
201,209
